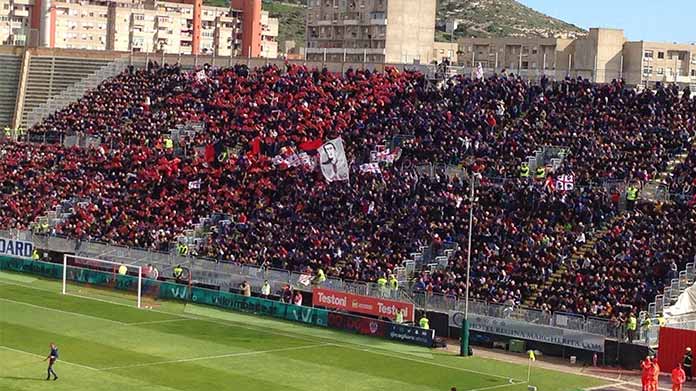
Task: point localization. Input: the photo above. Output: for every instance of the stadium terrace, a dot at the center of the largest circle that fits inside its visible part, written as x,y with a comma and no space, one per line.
140,188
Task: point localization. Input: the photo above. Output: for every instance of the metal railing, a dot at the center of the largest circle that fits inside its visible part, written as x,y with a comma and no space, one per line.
445,303
671,292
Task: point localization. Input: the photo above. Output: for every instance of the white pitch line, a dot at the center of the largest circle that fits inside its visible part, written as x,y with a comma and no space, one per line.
61,311
252,353
40,356
498,386
605,386
354,345
426,362
157,322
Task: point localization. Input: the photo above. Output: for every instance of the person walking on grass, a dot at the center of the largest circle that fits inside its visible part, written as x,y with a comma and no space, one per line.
52,358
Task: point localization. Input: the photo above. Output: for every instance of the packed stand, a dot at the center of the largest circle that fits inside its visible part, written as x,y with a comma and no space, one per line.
641,253
682,181
138,191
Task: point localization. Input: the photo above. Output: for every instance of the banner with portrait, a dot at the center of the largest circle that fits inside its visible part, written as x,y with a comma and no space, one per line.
333,162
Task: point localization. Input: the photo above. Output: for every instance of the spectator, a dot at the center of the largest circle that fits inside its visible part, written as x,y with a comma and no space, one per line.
297,299
266,289
245,288
287,294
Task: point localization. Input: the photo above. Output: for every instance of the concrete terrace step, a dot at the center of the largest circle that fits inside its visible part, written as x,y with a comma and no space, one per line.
562,270
49,77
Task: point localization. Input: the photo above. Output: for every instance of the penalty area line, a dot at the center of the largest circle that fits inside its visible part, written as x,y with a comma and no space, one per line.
40,356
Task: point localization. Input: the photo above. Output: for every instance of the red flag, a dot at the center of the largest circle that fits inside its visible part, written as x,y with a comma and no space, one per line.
311,145
209,153
256,146
550,184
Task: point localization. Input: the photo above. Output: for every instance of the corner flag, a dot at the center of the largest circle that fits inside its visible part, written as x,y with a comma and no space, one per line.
532,358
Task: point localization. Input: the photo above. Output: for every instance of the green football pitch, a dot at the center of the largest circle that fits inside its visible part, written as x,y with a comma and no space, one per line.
106,343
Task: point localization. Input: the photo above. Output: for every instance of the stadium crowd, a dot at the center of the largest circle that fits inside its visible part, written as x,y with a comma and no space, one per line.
136,188
642,249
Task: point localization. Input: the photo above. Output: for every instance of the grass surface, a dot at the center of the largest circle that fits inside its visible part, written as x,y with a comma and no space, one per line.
107,344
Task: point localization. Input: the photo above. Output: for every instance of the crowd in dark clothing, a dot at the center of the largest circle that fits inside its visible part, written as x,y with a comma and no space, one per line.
681,183
134,189
630,264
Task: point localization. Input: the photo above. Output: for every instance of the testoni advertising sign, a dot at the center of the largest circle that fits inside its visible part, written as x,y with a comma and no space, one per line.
16,248
366,305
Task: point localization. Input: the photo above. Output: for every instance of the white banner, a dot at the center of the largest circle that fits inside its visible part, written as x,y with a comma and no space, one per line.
296,160
305,279
565,183
530,331
332,158
16,248
382,154
479,72
194,184
370,167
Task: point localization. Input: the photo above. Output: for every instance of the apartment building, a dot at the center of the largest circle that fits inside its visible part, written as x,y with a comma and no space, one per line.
513,53
445,51
185,26
269,36
651,62
602,55
392,31
14,21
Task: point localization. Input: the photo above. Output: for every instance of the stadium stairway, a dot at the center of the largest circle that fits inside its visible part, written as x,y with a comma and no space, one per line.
76,91
9,83
563,270
658,189
50,77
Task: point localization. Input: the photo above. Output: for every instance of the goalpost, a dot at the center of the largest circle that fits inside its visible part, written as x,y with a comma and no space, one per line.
101,274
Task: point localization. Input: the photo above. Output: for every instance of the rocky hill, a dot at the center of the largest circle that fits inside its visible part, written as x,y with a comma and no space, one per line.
476,18
500,18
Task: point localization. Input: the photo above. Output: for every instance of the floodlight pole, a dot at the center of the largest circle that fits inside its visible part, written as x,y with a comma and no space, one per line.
464,340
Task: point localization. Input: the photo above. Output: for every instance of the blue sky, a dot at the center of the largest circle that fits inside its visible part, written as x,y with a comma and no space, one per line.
666,20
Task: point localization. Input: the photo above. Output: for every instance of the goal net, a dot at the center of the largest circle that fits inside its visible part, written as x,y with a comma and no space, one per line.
108,280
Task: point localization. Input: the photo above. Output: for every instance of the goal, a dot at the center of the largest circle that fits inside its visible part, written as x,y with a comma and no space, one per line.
84,276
